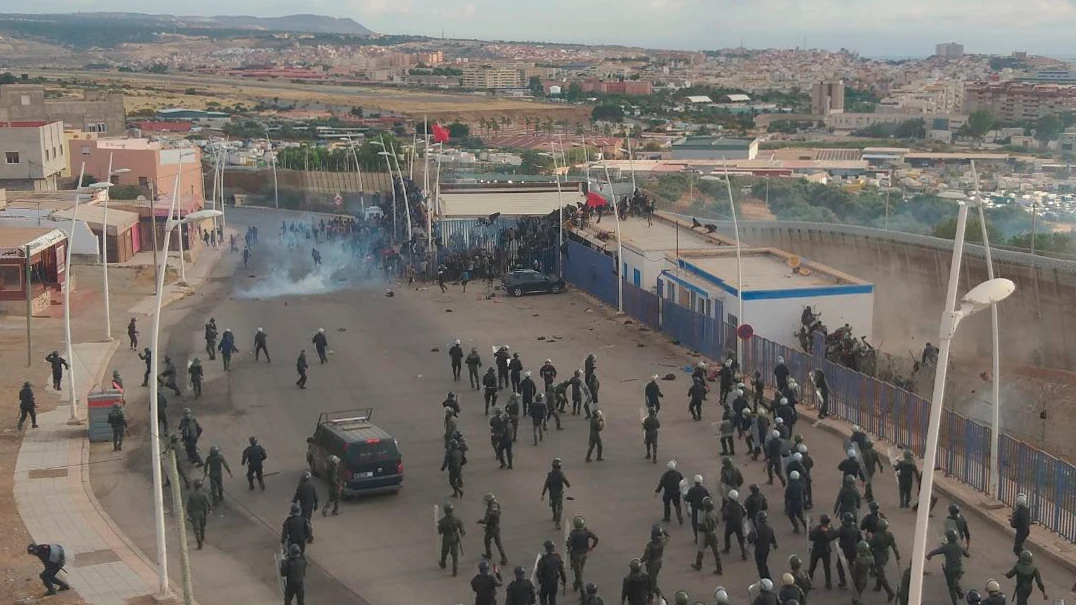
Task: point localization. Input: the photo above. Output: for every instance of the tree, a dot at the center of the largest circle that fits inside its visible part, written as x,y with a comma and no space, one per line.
979,123
535,162
8,78
574,92
158,68
973,232
535,85
911,129
87,180
1047,128
457,130
356,111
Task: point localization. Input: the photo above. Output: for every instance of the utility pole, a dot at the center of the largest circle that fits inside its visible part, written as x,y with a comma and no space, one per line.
29,308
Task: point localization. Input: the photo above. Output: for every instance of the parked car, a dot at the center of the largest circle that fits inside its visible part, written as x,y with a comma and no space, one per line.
369,455
527,281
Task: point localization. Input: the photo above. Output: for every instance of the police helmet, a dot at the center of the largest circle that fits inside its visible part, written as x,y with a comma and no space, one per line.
721,596
873,506
295,508
951,535
635,565
697,479
656,531
734,495
306,477
849,480
787,579
992,586
590,588
579,522
548,545
1021,499
797,457
489,497
954,509
761,517
197,483
557,462
681,598
779,421
784,401
295,550
1026,556
527,373
824,519
213,449
654,378
974,598
519,572
851,453
775,433
766,585
848,518
707,503
726,461
802,448
483,566
863,547
794,475
671,465
754,488
883,524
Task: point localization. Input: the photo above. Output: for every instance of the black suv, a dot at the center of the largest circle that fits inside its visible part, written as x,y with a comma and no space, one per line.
370,457
526,281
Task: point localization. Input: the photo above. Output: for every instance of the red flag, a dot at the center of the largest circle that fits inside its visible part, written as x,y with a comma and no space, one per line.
440,133
595,199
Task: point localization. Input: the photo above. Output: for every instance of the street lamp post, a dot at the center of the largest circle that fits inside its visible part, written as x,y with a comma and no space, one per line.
739,258
995,336
619,242
392,184
560,208
981,296
155,438
104,244
67,296
407,204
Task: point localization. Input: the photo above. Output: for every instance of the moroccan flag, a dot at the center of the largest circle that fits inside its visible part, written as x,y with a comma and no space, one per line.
595,199
440,133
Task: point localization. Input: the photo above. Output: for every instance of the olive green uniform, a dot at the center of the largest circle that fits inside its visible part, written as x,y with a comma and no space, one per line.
492,525
953,568
452,532
881,541
215,465
199,505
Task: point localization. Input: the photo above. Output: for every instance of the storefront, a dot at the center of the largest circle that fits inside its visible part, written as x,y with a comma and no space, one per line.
45,265
118,227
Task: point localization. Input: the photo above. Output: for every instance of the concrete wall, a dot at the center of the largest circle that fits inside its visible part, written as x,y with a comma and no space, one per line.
95,111
41,152
910,274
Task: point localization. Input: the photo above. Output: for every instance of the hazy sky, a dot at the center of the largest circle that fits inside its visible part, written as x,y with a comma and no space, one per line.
871,27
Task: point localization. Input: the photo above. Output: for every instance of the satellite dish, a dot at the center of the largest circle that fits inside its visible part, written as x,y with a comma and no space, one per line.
794,262
140,198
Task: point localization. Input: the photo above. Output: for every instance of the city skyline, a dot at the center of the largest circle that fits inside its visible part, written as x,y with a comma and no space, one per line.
871,28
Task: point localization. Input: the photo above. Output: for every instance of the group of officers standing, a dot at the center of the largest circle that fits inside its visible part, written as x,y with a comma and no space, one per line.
865,543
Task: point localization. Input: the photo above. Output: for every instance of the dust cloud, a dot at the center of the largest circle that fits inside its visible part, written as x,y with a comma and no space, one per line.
291,270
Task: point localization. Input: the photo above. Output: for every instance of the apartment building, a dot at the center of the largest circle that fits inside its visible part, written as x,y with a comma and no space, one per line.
949,50
924,96
489,77
827,98
857,121
1019,101
32,155
95,111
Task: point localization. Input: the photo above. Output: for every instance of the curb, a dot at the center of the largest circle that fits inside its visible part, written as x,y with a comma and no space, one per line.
842,429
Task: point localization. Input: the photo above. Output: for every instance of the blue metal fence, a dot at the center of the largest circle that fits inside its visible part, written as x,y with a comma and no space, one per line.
878,407
591,271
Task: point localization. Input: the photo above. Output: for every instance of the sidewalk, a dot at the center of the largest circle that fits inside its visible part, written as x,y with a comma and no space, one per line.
52,487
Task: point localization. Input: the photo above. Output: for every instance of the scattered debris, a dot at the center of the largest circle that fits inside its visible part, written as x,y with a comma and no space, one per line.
448,310
640,345
588,310
341,329
491,295
535,315
628,322
644,329
389,293
541,338
251,276
669,376
629,380
418,376
675,341
435,350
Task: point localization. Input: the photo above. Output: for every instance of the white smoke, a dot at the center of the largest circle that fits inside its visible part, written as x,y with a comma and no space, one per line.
291,271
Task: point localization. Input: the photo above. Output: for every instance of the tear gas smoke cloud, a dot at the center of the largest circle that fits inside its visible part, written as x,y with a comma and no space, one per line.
291,270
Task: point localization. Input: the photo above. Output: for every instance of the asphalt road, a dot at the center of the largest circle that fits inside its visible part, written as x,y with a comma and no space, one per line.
383,550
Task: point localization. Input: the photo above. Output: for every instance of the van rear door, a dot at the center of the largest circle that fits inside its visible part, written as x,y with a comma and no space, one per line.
371,459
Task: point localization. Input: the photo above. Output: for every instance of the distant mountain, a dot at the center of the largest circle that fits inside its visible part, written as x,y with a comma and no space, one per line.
314,24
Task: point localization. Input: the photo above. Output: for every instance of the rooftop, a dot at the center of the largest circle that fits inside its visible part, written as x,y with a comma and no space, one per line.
713,143
765,270
484,202
19,237
666,234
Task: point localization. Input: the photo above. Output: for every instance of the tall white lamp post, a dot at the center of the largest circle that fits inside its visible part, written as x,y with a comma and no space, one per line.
104,242
739,259
995,336
155,426
619,242
978,298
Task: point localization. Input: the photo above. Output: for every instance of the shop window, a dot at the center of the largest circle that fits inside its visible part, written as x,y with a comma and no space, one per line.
12,157
10,278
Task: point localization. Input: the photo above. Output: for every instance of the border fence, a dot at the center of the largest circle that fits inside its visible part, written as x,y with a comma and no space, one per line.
878,407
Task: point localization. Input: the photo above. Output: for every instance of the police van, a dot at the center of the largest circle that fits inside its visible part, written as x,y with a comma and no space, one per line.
370,458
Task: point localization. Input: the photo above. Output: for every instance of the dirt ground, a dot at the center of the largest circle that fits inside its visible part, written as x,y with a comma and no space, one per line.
148,91
18,571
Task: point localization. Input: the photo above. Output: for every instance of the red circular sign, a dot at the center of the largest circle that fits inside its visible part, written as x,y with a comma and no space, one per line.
745,331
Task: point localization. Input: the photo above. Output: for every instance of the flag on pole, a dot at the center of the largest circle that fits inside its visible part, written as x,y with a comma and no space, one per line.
595,199
440,133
